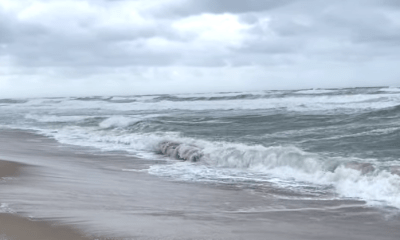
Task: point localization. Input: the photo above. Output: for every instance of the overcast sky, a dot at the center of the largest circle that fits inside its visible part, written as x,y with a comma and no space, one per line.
119,47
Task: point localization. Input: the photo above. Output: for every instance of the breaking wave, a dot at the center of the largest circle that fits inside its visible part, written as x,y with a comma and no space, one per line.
351,178
180,151
118,122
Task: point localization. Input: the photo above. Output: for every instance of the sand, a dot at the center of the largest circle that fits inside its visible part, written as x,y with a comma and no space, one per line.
9,169
15,227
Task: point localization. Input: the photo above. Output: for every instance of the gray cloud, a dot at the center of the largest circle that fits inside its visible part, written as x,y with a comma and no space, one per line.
291,30
35,44
129,39
391,3
190,7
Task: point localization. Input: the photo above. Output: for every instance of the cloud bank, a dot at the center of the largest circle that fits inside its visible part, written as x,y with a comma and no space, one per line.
118,47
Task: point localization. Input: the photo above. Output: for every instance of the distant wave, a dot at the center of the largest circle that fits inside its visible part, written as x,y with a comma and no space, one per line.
60,119
316,91
210,98
13,101
119,122
391,89
331,104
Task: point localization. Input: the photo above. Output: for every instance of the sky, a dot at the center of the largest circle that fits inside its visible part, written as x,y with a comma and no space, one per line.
52,48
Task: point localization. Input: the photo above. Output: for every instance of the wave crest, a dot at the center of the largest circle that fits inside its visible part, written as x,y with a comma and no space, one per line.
180,151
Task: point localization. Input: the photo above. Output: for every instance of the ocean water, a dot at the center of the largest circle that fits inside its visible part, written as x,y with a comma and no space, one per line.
318,144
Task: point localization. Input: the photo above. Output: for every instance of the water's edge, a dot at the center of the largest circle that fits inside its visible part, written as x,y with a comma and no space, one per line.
91,189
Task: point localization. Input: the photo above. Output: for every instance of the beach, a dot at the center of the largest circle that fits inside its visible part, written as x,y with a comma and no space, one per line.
158,209
13,226
199,120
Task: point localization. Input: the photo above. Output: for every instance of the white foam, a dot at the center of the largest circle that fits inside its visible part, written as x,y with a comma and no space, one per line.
4,208
390,89
118,121
105,139
315,91
382,187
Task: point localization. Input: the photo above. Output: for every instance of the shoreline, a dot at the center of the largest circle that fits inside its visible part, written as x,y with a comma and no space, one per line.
157,208
13,226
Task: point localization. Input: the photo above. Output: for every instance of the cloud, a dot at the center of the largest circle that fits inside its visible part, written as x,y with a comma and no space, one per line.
181,45
84,34
194,7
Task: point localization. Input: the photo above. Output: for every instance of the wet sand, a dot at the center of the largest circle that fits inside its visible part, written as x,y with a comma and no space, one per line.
18,228
9,169
14,227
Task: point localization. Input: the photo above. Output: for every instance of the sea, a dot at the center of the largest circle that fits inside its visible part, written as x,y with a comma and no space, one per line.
203,156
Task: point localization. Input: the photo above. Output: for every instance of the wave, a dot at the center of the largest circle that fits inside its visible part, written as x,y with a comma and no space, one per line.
291,103
350,178
178,98
94,98
197,159
391,89
12,101
54,119
123,122
118,122
122,100
344,101
354,178
389,112
180,151
316,91
131,124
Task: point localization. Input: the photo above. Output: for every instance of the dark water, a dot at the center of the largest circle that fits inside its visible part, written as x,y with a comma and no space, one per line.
306,145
